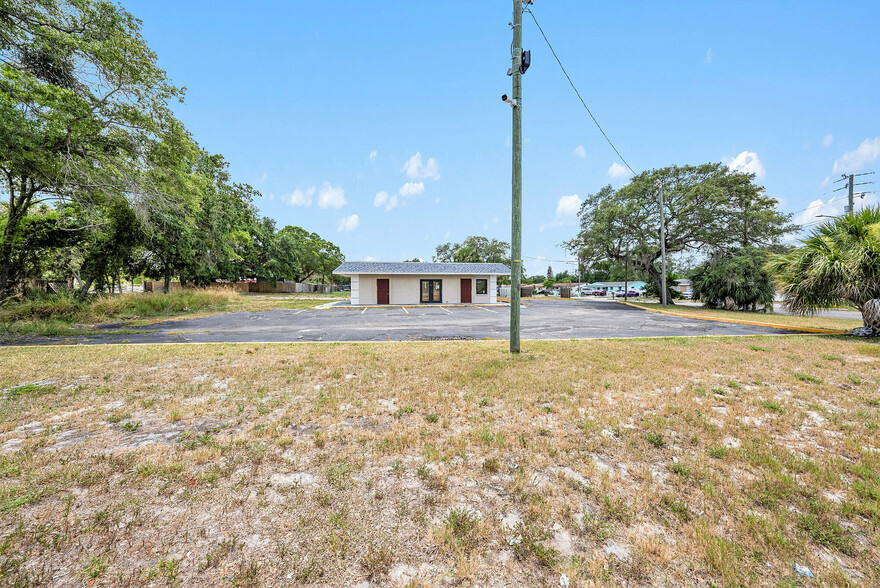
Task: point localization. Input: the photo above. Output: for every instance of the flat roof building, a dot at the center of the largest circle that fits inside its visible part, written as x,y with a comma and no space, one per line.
378,282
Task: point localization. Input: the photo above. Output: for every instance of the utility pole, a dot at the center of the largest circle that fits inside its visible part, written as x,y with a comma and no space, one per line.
850,187
662,244
516,192
626,274
849,209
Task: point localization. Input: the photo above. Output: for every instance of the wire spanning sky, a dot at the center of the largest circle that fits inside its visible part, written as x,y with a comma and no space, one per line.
380,125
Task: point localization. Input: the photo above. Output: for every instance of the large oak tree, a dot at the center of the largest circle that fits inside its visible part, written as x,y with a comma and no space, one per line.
707,208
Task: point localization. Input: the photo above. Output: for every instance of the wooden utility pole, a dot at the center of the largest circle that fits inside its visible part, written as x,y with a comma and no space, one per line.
516,195
662,244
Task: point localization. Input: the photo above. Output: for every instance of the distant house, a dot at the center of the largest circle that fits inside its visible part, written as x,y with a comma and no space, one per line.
376,282
634,286
685,286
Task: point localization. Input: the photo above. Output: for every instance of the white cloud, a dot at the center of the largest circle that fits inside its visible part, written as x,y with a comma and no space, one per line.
617,172
412,189
263,178
827,140
300,197
749,163
446,236
567,208
348,223
331,196
826,182
271,196
566,212
416,170
852,161
580,151
708,57
382,199
373,154
437,200
370,258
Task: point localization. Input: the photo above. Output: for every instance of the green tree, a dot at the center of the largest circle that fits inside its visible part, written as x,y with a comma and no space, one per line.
839,263
707,208
735,280
474,249
82,100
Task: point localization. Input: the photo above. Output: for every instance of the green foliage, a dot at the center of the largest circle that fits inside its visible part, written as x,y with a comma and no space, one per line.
707,207
838,264
735,280
474,249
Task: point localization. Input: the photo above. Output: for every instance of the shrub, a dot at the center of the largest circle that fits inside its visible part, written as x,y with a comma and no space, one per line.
735,280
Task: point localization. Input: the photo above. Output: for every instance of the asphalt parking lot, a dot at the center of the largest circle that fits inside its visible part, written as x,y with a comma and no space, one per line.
541,319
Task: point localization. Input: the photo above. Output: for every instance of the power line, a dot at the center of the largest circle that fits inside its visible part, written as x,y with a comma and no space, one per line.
562,67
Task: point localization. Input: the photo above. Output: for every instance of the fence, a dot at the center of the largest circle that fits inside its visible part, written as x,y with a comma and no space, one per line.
253,287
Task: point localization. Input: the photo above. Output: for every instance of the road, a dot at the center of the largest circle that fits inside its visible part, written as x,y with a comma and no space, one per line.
544,319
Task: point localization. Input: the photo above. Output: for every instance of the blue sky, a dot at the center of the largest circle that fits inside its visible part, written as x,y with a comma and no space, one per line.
379,125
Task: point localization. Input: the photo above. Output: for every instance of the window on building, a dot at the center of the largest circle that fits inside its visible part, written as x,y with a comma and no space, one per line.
482,286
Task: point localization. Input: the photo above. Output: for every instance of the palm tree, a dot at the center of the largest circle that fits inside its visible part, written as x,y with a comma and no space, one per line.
838,263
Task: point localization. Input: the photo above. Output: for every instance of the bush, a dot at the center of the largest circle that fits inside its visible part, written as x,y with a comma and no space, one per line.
66,309
735,280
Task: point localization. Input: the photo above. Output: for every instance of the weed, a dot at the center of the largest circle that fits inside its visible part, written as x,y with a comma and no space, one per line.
492,465
94,566
485,402
807,378
461,526
854,380
718,452
826,531
676,506
31,389
432,418
617,509
339,475
132,426
377,560
595,527
118,418
679,469
756,348
655,439
423,472
773,406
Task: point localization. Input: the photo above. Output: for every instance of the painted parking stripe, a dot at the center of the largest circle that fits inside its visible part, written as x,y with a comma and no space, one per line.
487,310
444,310
299,311
364,310
404,309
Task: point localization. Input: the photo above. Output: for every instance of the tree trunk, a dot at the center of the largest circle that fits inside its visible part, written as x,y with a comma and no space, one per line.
871,314
84,290
167,279
648,266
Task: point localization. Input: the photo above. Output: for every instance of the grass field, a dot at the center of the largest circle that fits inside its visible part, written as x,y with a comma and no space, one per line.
663,462
810,322
60,315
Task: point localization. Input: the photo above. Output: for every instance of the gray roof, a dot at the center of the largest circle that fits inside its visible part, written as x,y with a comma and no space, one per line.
381,267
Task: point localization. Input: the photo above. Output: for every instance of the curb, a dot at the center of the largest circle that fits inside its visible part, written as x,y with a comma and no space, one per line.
738,321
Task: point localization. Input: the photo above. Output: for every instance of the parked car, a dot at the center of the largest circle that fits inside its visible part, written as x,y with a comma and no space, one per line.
598,292
346,288
630,294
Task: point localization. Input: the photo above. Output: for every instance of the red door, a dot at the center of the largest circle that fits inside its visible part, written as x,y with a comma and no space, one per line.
382,291
465,291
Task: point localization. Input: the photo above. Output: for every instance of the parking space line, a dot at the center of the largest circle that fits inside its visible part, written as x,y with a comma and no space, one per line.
447,311
299,311
364,310
487,310
404,309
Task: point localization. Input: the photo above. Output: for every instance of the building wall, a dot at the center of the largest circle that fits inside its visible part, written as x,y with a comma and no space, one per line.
355,290
407,289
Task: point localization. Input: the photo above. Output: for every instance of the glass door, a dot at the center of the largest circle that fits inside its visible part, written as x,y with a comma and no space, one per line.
431,291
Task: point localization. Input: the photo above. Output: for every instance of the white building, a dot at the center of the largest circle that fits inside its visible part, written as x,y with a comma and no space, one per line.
376,282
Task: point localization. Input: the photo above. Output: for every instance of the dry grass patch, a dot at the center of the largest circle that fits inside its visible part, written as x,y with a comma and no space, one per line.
806,322
639,462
